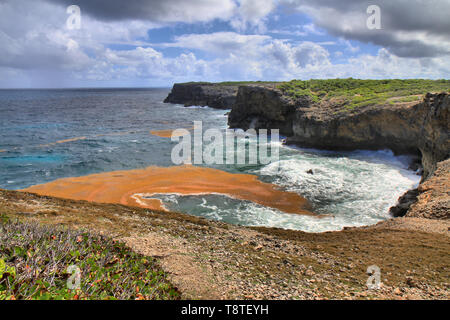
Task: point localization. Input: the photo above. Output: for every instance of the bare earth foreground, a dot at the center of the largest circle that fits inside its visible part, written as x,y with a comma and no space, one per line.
212,260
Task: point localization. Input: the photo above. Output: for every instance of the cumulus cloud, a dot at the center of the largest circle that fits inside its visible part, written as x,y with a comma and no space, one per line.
297,58
146,63
253,14
241,14
280,60
220,43
410,28
30,40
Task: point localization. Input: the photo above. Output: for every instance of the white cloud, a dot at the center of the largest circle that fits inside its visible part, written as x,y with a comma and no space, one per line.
253,14
221,43
409,28
38,50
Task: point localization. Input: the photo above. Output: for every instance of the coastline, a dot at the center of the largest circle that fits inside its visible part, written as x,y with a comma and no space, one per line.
215,260
419,127
306,123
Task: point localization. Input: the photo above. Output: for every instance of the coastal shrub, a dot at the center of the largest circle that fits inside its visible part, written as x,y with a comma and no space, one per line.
359,93
35,261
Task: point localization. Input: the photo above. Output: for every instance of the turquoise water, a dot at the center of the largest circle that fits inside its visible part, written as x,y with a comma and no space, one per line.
108,129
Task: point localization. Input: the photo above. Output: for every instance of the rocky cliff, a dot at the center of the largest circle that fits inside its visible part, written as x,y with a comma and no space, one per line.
404,128
213,95
419,128
433,199
263,107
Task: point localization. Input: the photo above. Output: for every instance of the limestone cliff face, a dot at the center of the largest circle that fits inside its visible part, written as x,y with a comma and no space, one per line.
420,128
203,94
403,128
434,195
262,107
407,128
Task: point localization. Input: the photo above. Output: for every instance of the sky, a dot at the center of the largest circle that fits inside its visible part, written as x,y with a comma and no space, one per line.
148,43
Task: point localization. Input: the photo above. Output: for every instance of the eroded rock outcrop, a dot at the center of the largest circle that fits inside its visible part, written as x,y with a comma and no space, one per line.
263,107
403,128
434,195
404,203
213,95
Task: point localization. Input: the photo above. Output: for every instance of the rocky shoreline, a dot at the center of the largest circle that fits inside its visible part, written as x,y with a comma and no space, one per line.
203,94
208,259
419,128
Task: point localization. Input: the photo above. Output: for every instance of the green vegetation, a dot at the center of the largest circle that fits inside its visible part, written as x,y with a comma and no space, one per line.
243,83
35,260
360,93
352,93
405,99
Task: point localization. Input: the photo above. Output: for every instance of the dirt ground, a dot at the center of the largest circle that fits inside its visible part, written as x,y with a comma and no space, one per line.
214,260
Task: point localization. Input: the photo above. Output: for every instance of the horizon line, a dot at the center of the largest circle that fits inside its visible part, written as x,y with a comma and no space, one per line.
82,88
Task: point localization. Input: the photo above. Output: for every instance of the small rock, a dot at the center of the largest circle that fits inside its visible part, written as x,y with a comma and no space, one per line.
309,273
411,282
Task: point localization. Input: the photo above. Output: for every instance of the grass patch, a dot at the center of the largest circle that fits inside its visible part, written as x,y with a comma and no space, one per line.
35,261
360,93
405,99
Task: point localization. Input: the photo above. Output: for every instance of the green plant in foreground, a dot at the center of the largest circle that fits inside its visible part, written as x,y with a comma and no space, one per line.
34,262
6,274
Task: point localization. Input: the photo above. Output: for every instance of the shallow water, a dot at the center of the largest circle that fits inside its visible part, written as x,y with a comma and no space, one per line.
51,134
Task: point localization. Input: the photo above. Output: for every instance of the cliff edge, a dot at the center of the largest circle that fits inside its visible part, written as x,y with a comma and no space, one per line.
417,128
203,94
407,116
418,124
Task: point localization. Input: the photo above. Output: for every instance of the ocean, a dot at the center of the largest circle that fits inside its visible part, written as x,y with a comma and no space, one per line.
52,134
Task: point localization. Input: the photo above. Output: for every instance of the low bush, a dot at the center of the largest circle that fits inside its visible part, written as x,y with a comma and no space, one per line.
41,262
